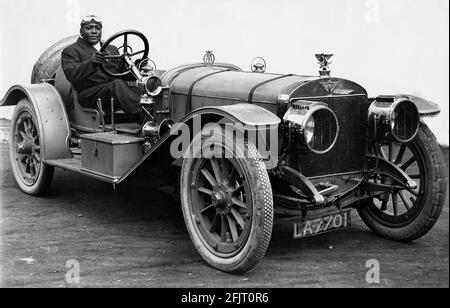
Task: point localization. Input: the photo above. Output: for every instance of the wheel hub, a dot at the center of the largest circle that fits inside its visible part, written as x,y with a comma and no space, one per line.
221,199
25,147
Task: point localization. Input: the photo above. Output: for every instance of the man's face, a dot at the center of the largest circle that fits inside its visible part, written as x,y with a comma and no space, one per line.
91,33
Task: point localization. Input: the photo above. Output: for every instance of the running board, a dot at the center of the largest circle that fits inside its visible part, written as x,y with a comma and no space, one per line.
74,165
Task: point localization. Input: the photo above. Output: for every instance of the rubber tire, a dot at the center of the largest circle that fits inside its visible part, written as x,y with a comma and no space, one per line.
46,173
433,201
49,62
262,221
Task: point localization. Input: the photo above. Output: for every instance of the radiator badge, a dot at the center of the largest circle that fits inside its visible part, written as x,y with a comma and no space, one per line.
330,85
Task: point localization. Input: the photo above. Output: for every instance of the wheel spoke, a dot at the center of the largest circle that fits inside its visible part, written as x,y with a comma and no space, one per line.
395,203
23,159
205,191
25,125
238,218
28,165
408,163
415,193
225,169
232,225
216,169
33,129
233,171
400,154
381,151
214,223
405,202
23,135
414,176
35,161
33,168
223,230
209,177
384,205
30,126
239,203
239,188
207,208
391,151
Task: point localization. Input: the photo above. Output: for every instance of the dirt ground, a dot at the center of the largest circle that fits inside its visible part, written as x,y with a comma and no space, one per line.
135,237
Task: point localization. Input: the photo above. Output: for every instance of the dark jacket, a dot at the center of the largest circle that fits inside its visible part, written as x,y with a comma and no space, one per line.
86,78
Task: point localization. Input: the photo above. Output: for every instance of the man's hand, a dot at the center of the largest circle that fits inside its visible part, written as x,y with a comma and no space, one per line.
98,58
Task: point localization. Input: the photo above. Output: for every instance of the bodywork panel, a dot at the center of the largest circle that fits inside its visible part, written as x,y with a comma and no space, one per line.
202,87
170,75
52,117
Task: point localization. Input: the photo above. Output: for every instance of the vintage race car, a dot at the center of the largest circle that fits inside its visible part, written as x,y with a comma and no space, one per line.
248,148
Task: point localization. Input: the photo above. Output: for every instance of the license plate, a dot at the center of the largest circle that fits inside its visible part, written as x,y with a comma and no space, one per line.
324,224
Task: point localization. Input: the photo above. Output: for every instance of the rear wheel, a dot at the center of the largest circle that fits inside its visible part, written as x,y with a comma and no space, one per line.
408,214
30,173
227,204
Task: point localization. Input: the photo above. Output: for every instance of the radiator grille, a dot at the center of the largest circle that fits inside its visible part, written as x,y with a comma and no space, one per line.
348,154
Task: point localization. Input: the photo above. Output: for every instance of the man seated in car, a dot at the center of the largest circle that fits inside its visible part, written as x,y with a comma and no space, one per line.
80,63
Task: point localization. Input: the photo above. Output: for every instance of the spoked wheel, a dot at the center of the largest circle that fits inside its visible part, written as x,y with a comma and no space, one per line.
407,214
227,205
32,176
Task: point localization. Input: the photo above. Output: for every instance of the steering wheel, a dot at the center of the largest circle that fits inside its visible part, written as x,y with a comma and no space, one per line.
126,54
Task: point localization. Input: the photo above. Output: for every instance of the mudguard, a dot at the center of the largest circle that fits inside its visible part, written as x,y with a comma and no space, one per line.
426,108
52,117
243,114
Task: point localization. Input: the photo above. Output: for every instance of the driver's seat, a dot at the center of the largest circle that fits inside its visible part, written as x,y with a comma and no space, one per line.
82,117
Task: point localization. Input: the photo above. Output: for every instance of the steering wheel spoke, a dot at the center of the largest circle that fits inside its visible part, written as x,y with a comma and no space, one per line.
131,69
125,44
136,53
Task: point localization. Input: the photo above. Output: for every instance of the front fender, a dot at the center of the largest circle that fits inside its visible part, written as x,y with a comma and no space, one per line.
426,107
51,115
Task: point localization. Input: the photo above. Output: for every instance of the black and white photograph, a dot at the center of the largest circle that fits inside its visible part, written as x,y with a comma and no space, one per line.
224,149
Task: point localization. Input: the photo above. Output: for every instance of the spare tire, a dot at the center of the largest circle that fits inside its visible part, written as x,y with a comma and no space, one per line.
50,60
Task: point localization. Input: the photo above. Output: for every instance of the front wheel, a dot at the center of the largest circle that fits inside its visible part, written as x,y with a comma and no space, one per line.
25,150
227,203
406,215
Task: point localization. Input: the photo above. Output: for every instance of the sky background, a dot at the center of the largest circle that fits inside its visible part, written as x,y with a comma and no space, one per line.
387,46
